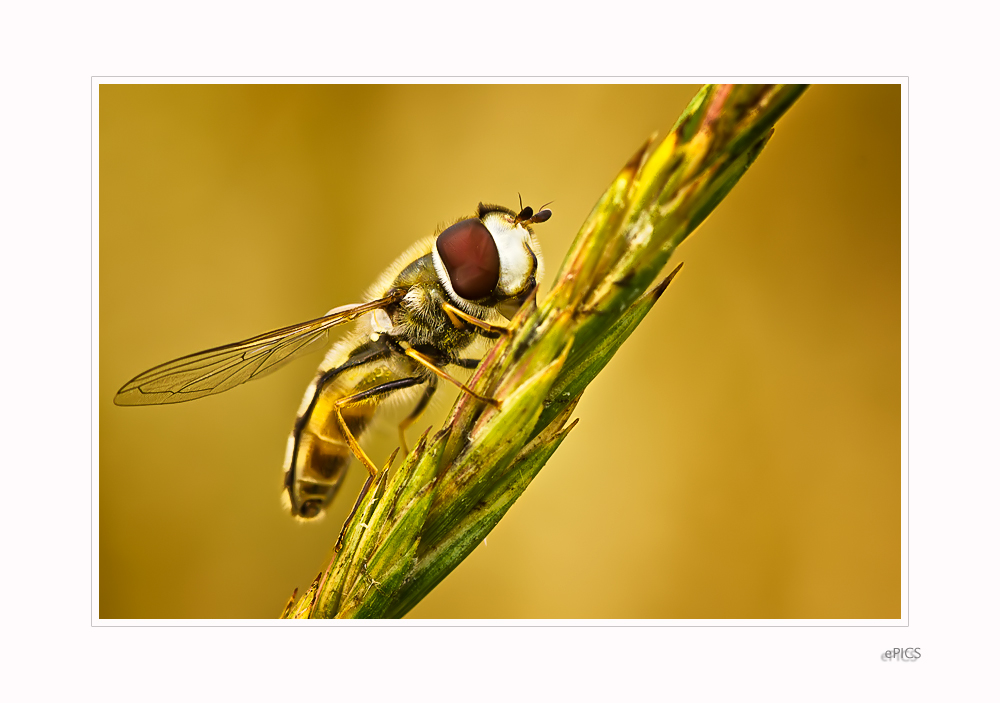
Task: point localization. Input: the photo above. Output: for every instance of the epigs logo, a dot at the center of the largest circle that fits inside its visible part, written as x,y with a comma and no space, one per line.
899,654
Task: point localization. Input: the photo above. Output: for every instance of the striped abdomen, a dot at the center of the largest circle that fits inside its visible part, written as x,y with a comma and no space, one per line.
318,453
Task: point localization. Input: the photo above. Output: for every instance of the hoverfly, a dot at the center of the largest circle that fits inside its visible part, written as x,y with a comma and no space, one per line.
428,307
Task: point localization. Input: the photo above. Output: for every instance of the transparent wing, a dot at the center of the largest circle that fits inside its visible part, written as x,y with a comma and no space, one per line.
219,369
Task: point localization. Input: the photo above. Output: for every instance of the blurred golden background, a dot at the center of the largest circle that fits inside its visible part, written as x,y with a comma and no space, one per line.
739,458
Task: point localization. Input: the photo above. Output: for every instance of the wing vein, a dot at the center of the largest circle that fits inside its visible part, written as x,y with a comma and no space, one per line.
221,368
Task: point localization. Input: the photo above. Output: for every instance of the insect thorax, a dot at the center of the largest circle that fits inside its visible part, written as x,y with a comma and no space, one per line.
420,319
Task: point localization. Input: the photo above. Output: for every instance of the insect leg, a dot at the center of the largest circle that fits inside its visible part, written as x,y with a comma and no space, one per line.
363,396
426,362
432,384
468,363
456,316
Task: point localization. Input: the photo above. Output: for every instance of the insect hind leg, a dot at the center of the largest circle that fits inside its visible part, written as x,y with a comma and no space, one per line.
362,397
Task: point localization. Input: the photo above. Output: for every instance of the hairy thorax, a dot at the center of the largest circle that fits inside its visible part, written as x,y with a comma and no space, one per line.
420,318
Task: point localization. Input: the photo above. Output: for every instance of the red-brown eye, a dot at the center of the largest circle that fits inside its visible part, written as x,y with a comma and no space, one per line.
469,253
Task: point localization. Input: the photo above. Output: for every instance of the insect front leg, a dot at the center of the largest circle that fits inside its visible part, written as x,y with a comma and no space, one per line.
459,317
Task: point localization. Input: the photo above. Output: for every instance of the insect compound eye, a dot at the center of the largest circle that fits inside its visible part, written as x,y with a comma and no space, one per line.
470,255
